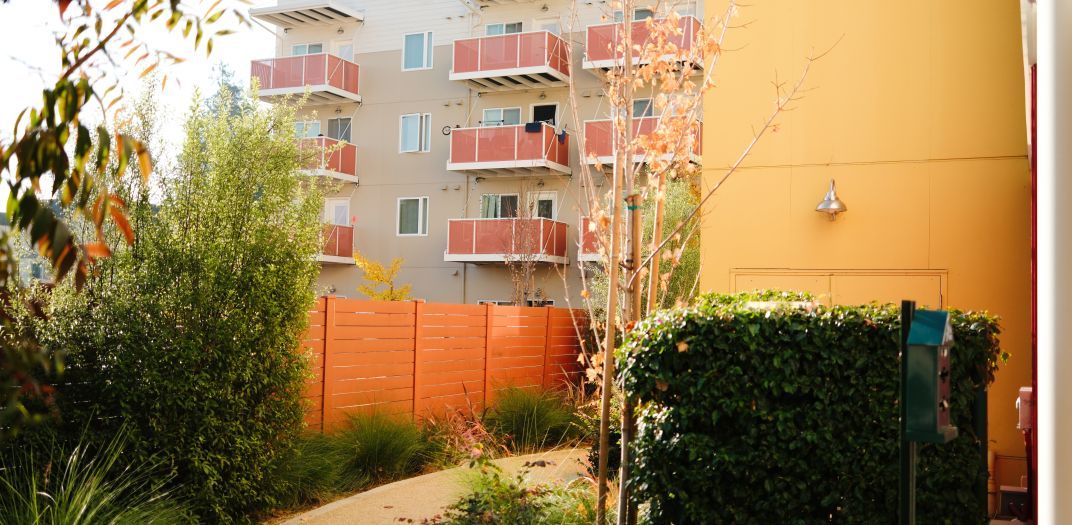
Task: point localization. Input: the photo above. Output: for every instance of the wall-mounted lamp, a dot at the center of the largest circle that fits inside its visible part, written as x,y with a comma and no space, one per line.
831,204
338,31
543,95
338,111
539,184
478,180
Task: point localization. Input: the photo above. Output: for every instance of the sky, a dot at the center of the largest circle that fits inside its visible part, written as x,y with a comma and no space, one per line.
29,60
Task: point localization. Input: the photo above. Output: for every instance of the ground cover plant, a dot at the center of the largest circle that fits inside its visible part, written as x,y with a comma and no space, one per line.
529,420
46,482
787,413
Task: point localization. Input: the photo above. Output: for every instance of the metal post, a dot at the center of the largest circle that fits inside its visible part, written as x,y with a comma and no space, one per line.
908,449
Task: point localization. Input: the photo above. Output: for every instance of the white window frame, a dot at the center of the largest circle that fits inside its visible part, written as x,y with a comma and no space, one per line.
520,28
500,196
501,122
619,15
427,51
496,302
424,133
532,111
306,44
349,125
308,124
538,23
330,204
534,196
422,216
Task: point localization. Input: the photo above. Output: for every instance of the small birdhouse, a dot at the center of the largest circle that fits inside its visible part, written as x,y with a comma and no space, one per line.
926,390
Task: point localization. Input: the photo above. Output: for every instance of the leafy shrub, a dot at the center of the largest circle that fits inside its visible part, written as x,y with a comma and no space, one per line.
380,448
495,498
190,334
531,419
86,484
789,415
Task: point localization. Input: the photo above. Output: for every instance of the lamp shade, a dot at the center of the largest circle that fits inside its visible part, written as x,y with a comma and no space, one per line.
831,204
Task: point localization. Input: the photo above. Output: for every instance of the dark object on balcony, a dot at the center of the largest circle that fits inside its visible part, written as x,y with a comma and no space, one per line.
562,137
533,127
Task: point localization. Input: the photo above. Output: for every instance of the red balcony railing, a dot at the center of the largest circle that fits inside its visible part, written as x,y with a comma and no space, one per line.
534,53
602,40
318,72
506,240
598,139
338,241
508,148
322,153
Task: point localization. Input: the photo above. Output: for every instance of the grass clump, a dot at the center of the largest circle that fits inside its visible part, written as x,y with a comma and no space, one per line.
529,420
86,484
380,448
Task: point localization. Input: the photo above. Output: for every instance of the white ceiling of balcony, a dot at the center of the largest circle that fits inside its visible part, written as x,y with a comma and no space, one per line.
504,2
303,13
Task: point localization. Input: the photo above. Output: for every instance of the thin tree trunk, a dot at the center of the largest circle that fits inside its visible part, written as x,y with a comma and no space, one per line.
625,507
656,240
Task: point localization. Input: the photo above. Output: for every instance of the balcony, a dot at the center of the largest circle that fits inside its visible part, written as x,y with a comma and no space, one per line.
534,60
332,158
598,145
588,251
328,78
506,240
338,245
602,40
509,150
307,13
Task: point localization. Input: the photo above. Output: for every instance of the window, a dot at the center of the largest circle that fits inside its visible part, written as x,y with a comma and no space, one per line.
307,129
345,49
415,133
502,117
638,14
496,206
306,49
413,216
417,51
337,212
550,25
642,107
339,129
545,113
495,302
543,204
502,29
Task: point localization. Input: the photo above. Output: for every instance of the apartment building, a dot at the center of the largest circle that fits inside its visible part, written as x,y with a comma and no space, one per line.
461,149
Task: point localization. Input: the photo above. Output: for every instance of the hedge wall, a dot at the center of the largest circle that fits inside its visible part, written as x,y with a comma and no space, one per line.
781,414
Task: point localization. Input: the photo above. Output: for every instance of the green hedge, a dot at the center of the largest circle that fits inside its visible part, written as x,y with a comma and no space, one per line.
789,415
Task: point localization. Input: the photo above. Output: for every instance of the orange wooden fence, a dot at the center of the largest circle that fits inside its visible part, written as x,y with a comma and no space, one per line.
425,358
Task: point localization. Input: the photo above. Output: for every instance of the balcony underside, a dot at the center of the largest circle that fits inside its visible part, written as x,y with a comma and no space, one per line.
509,168
319,94
589,257
504,2
537,77
607,161
602,66
502,258
331,174
335,259
295,13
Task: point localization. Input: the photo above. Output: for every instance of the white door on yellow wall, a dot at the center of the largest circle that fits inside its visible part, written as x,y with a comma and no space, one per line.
848,287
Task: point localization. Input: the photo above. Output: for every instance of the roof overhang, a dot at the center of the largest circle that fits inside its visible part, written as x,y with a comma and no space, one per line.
306,13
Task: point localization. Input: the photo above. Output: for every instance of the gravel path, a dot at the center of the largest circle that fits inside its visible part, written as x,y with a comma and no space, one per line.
426,496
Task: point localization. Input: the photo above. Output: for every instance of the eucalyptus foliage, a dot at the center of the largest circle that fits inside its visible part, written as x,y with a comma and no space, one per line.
788,414
190,335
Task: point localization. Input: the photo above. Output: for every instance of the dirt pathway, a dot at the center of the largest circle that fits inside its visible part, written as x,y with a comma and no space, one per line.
426,496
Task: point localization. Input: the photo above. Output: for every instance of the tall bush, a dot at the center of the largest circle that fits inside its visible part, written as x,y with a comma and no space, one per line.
783,414
190,335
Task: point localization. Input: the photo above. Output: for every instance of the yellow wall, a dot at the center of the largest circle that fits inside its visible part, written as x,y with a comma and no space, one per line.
918,113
